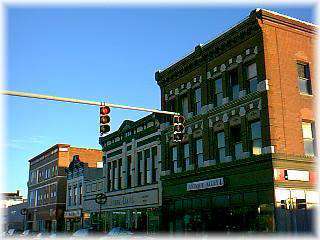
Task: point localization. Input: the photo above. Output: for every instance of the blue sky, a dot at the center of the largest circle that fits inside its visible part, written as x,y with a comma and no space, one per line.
102,54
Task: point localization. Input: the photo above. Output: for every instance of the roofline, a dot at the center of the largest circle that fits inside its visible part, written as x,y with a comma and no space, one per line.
253,14
134,123
49,149
286,16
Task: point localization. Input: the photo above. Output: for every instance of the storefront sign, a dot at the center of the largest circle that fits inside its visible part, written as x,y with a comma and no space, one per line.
297,175
133,199
292,175
72,214
211,183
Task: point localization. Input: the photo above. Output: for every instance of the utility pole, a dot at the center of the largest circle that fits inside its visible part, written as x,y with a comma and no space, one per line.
72,100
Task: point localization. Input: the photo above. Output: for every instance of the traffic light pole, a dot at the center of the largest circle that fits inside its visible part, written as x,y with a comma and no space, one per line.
72,100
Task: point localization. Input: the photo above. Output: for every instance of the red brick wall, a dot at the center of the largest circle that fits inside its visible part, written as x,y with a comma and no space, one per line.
283,47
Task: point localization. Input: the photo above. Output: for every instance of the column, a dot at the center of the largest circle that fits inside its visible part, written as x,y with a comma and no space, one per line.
124,174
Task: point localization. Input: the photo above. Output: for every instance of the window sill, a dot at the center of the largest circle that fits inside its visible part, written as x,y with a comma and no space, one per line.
306,94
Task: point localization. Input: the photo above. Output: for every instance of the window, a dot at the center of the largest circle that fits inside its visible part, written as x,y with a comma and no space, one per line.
146,163
70,196
308,138
197,94
221,146
252,77
256,138
236,141
109,169
129,172
304,78
75,195
184,106
234,83
119,173
218,93
186,157
199,152
114,167
175,158
154,164
80,194
139,168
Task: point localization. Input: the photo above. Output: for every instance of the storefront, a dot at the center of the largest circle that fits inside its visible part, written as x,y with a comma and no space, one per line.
73,220
218,204
136,211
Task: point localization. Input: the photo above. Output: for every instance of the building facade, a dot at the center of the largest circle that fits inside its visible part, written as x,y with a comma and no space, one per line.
77,173
132,181
47,185
246,162
92,215
15,217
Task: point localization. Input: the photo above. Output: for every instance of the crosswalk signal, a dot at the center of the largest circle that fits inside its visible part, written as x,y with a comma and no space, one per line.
178,128
104,120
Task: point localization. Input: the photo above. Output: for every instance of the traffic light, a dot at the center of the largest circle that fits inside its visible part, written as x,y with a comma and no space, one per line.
104,120
178,128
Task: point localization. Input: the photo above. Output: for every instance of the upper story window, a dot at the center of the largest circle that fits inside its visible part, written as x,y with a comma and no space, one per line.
221,145
70,196
308,138
236,141
218,93
139,168
256,138
197,96
175,158
80,194
304,78
74,195
186,155
154,152
184,106
252,77
199,152
234,83
129,171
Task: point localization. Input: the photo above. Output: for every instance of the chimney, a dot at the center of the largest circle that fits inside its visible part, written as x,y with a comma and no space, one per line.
18,193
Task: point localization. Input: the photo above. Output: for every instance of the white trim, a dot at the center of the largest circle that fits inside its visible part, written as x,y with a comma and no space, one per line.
43,185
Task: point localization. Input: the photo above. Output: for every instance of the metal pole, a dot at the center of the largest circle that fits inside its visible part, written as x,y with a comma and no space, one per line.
72,100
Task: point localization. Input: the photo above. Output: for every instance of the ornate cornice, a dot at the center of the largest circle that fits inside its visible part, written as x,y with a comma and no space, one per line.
218,46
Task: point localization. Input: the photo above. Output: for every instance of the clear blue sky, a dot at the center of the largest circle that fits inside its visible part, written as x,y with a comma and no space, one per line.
98,54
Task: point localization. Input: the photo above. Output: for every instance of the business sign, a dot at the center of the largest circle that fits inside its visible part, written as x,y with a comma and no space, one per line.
133,199
211,183
292,175
72,214
297,175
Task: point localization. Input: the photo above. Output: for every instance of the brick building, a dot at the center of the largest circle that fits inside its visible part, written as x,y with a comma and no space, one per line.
47,185
132,180
246,162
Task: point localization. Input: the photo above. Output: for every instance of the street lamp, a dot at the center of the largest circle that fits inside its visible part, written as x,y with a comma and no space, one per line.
100,199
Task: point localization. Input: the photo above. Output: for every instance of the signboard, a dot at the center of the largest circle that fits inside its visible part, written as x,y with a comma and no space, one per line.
71,214
211,183
297,175
133,199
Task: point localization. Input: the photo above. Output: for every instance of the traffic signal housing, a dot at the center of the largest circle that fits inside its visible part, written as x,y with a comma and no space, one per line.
104,120
178,128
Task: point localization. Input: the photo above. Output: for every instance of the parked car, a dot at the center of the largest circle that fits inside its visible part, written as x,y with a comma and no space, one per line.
13,232
28,233
118,231
85,232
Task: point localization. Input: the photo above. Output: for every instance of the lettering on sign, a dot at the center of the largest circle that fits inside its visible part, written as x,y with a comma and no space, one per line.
211,183
132,199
